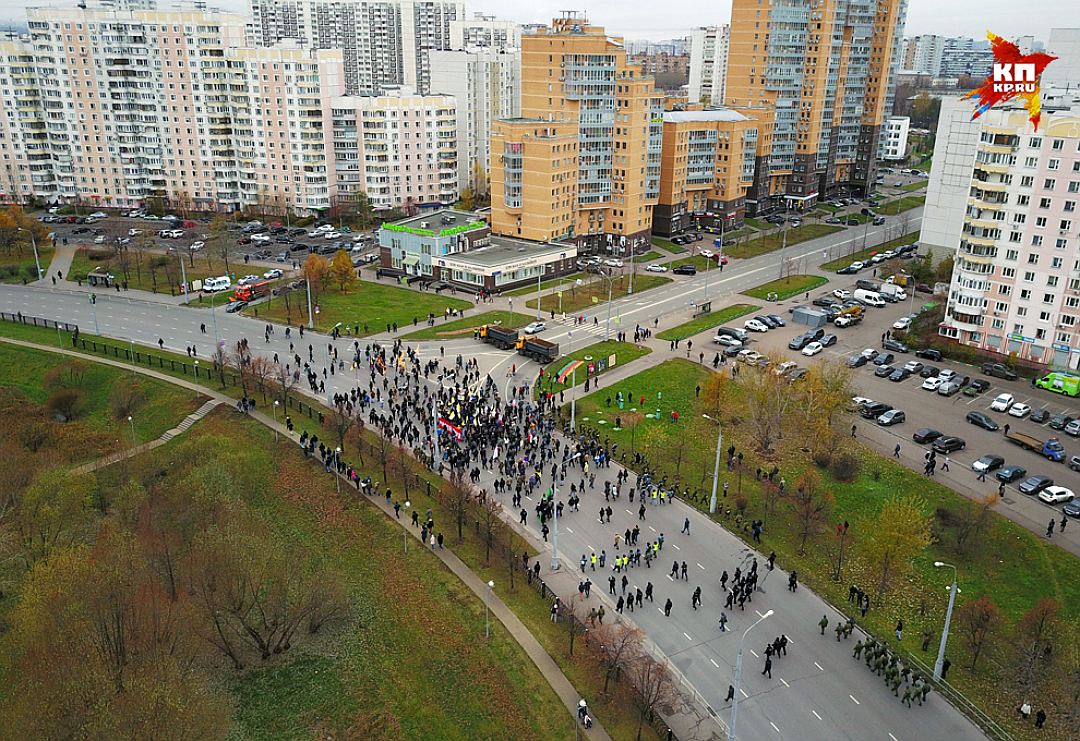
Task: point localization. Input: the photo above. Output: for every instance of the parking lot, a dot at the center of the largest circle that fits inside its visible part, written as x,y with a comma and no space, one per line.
927,409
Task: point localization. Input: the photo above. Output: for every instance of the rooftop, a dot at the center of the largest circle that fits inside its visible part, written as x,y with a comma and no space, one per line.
715,114
504,249
440,223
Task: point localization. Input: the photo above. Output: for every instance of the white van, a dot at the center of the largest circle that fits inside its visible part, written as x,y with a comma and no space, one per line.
870,298
213,285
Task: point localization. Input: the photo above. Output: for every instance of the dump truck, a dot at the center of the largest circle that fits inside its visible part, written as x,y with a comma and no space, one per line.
500,337
537,349
1050,449
252,291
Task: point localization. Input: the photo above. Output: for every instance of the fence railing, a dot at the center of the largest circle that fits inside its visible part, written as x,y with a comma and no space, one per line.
988,725
36,321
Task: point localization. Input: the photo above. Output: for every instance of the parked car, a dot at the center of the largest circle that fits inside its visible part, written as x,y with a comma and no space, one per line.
999,370
900,374
988,463
873,409
1056,495
234,306
932,384
1059,421
1039,416
1001,403
925,435
1072,509
754,325
857,361
1019,410
895,346
273,273
928,353
727,341
913,366
891,417
1034,484
981,420
827,340
902,323
1011,473
948,388
812,349
948,444
884,358
841,294
685,270
1073,428
976,387
777,320
929,371
654,268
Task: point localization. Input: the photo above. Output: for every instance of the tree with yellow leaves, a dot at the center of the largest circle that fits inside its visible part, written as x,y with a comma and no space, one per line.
893,539
317,274
342,271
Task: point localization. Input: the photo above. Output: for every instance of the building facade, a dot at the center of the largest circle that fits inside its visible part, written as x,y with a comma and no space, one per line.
963,56
583,162
399,148
708,64
486,83
894,140
26,165
706,168
828,70
922,54
484,32
385,43
1065,71
1015,287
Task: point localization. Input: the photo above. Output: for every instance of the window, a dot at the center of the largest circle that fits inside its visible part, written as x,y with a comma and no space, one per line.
1059,243
1005,290
1023,200
1040,222
1015,236
1033,259
1029,277
1052,281
1031,162
1055,263
1053,164
1048,298
1011,255
1008,272
1026,181
1036,240
1044,203
1049,184
1025,295
1065,225
1057,144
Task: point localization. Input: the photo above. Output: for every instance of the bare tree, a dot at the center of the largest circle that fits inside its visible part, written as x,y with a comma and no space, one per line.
458,493
619,643
286,381
491,525
512,563
572,619
261,370
977,619
812,505
652,686
1032,641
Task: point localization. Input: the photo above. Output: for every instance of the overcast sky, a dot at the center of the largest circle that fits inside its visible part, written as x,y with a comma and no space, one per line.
673,18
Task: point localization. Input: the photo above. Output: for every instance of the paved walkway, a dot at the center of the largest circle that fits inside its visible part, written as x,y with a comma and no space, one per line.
543,661
61,263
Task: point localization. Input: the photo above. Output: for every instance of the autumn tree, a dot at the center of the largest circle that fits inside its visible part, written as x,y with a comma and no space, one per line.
768,400
893,539
458,492
812,506
823,395
651,686
491,525
317,273
342,271
51,513
219,237
1032,641
619,643
976,621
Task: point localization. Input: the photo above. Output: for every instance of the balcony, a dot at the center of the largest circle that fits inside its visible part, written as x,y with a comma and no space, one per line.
998,168
982,241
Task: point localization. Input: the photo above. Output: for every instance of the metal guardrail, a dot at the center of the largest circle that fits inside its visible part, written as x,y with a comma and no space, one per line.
954,696
36,321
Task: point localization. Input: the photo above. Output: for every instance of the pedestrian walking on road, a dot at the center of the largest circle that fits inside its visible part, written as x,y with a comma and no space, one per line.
768,667
686,526
945,464
823,624
695,600
896,451
723,622
730,693
667,608
1050,528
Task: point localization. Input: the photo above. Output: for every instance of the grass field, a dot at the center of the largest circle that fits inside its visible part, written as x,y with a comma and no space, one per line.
464,327
152,271
649,257
1009,563
771,242
669,246
917,185
786,287
25,376
369,307
15,268
624,352
706,321
899,205
861,255
577,298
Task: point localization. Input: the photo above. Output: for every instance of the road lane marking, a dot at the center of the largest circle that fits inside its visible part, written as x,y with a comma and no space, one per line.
774,726
754,653
894,738
714,663
819,666
701,567
853,699
815,714
759,614
652,528
785,682
676,547
629,512
687,636
743,692
569,531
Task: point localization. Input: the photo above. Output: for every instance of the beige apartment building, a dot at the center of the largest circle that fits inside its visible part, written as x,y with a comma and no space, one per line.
582,163
707,166
827,68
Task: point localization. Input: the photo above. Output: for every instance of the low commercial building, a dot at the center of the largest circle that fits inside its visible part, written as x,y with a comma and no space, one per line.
457,247
894,141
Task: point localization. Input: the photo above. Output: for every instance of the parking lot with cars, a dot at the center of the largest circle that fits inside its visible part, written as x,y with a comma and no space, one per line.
921,402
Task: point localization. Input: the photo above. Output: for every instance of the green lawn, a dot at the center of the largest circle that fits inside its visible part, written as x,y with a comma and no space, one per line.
788,286
668,245
369,307
97,430
547,285
829,207
16,268
698,261
649,256
152,271
624,353
772,242
592,296
758,224
917,185
899,205
861,255
464,327
706,321
1009,563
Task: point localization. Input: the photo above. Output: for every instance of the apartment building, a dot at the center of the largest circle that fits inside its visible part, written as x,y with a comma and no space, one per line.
385,43
894,140
399,148
706,168
486,83
26,168
582,163
922,54
1065,71
828,70
484,32
708,64
1015,287
963,56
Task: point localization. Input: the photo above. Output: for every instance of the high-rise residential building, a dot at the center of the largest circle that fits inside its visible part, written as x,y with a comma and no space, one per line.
1065,70
484,32
707,166
963,56
922,54
670,72
486,83
1015,287
828,70
399,148
708,64
385,43
124,4
168,107
583,162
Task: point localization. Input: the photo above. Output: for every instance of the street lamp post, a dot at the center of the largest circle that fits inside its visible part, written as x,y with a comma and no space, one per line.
337,463
131,422
738,677
555,518
310,317
435,435
716,464
783,248
405,531
275,420
948,618
539,276
487,620
33,244
607,325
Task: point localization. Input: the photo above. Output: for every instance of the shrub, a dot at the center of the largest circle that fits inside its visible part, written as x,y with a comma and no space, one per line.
844,467
125,399
65,404
822,458
35,436
741,503
99,255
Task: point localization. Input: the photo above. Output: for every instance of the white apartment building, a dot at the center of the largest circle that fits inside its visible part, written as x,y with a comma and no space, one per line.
922,54
1016,284
955,147
1065,45
484,32
385,43
894,138
26,169
708,64
399,148
486,83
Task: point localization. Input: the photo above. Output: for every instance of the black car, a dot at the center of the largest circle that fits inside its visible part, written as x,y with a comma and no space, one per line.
884,371
283,239
852,221
798,342
999,371
925,435
1034,484
825,301
1011,473
976,387
928,353
828,340
929,371
1039,416
778,321
988,463
948,444
1072,509
685,270
850,269
981,420
900,374
873,409
1058,421
895,346
768,321
234,306
884,358
857,361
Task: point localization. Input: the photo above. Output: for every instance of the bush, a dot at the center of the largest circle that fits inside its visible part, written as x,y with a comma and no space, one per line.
125,399
99,255
844,467
35,436
65,404
741,503
822,458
